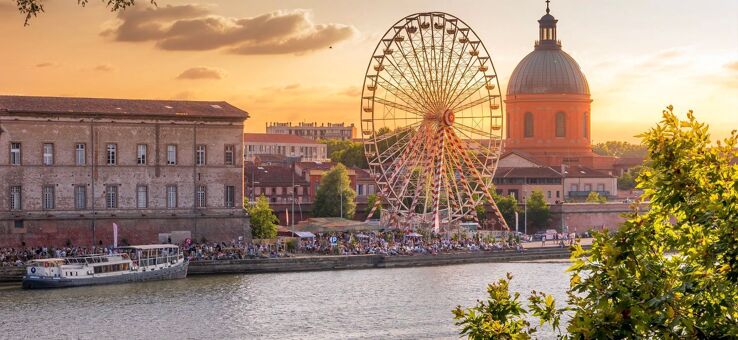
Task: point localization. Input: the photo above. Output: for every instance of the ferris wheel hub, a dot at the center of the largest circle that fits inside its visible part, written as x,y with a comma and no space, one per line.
449,117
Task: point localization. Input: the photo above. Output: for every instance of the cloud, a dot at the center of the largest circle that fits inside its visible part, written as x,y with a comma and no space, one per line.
46,64
201,73
351,91
104,68
196,28
292,86
732,66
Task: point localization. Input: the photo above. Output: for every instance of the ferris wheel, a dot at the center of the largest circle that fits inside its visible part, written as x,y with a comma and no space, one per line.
431,121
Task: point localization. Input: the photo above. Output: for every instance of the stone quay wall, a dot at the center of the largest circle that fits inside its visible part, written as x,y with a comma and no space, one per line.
580,217
319,263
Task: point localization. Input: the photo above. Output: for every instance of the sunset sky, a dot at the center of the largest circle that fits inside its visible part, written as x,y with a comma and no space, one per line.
305,60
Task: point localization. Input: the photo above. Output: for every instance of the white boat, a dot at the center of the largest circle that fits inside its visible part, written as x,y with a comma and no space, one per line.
127,264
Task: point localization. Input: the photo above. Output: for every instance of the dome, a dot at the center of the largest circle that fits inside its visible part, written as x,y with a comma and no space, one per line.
547,70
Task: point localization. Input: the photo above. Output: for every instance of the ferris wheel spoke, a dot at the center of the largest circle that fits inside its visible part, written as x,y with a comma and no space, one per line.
468,105
401,93
402,78
472,84
462,79
398,106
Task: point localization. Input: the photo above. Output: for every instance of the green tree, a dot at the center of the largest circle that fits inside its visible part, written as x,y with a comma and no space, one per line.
263,220
538,211
31,8
328,198
508,206
620,149
670,272
350,154
627,180
371,201
595,197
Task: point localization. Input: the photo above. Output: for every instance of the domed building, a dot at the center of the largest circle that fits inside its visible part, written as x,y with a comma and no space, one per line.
549,105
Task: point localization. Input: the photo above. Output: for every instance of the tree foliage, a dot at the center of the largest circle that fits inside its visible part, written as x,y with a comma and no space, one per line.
372,200
346,152
670,272
620,149
627,180
595,197
328,198
31,8
502,315
538,210
263,221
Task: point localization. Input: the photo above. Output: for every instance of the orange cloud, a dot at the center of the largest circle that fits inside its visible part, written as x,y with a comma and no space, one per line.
104,68
201,73
732,66
46,64
195,28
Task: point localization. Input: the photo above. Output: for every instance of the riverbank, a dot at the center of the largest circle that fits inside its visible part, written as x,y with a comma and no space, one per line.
13,275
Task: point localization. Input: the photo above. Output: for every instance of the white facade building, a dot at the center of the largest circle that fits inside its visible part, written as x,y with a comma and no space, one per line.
306,149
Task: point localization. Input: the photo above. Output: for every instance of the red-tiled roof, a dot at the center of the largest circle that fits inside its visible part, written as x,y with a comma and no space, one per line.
527,172
276,138
122,107
271,175
576,171
316,165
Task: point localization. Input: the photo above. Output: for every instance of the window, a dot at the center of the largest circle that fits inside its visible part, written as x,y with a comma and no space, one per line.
112,154
600,187
574,187
48,197
15,153
48,154
200,196
111,196
142,196
528,125
230,196
585,131
200,155
171,196
558,194
141,154
549,194
171,154
588,187
79,154
15,197
230,151
80,197
561,124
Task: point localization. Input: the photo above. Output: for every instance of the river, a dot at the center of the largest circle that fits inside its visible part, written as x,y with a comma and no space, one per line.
401,303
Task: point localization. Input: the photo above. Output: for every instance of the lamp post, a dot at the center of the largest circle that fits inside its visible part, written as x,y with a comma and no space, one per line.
525,213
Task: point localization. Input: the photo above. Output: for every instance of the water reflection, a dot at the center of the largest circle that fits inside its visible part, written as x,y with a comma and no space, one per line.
363,304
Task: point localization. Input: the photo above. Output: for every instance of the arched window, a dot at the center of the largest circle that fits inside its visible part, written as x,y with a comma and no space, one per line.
560,124
528,125
586,131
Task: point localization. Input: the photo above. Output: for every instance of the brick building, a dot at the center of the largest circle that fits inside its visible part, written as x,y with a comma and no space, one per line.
71,167
519,174
315,131
548,106
290,146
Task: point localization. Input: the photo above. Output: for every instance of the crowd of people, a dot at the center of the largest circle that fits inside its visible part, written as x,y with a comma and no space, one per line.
391,243
350,243
19,256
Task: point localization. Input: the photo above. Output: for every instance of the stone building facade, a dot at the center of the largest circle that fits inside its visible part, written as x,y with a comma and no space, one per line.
289,146
315,131
71,167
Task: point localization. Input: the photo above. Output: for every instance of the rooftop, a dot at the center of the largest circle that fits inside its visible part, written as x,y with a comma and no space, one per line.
271,175
276,138
123,107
